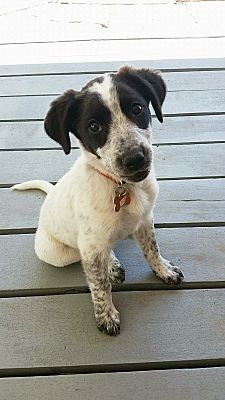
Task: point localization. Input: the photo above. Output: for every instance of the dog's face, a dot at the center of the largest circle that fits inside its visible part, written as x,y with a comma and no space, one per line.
111,118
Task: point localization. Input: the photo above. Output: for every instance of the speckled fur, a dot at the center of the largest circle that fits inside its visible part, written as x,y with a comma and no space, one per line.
77,220
145,236
122,133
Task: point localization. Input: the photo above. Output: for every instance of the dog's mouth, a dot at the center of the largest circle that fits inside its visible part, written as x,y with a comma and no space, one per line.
137,176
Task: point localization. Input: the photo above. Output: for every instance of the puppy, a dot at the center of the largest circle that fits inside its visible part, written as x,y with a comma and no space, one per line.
110,191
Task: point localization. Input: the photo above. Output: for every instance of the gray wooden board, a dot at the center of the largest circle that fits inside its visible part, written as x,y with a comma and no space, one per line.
183,102
174,384
48,164
200,252
190,161
55,84
180,202
171,64
170,162
188,129
27,135
54,331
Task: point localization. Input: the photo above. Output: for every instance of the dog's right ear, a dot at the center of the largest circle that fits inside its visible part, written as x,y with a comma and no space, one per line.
61,117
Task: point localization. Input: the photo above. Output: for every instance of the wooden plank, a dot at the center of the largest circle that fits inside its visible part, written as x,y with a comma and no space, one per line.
42,84
13,210
191,201
56,84
170,64
171,162
23,272
180,202
24,135
191,129
199,383
54,331
111,50
49,165
189,161
184,102
188,129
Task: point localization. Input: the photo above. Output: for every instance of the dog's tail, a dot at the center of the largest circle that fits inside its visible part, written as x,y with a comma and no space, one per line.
36,184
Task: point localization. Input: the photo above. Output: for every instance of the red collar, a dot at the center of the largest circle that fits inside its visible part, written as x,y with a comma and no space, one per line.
117,182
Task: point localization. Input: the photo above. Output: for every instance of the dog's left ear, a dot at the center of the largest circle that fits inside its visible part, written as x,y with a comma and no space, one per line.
149,83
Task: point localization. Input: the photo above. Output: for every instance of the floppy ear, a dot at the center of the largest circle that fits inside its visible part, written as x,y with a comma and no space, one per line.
149,83
60,119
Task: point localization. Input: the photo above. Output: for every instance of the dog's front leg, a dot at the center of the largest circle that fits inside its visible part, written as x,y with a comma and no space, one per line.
95,266
145,236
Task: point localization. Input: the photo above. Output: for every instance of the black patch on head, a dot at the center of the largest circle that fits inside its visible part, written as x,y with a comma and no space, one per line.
72,112
92,108
145,83
128,96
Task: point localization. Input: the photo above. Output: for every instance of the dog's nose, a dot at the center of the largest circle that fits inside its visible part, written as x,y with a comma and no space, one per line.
134,162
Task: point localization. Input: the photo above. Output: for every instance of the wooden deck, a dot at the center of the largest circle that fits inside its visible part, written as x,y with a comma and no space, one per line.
172,341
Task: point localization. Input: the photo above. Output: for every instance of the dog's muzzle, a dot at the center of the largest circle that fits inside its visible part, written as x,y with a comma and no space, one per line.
136,164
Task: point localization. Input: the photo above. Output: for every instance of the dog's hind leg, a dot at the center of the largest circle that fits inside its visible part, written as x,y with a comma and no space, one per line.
115,269
53,252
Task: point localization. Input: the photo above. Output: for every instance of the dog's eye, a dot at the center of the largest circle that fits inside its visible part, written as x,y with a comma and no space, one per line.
94,126
136,108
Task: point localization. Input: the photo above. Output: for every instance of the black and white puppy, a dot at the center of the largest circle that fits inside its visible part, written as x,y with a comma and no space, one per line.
110,191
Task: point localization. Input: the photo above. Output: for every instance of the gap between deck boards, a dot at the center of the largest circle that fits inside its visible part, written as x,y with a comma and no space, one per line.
18,231
103,39
187,114
103,71
183,178
57,94
159,144
132,287
129,367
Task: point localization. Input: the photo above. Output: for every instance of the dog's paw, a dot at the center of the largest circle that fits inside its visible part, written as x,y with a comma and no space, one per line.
169,273
116,272
109,324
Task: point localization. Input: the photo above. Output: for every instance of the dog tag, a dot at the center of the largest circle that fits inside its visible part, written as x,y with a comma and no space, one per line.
121,198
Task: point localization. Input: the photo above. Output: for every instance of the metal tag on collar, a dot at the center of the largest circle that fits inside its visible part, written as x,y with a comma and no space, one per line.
122,196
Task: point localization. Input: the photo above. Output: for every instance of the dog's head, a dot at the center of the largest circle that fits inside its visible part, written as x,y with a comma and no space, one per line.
111,118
